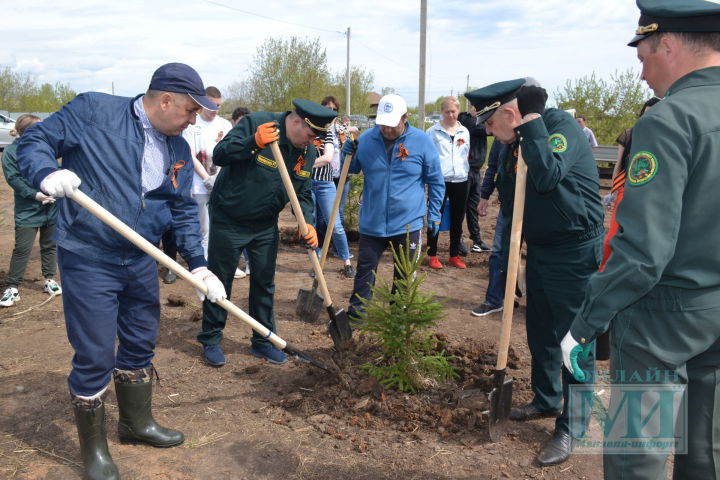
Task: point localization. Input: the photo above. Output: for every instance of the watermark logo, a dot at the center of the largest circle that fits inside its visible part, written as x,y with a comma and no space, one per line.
629,418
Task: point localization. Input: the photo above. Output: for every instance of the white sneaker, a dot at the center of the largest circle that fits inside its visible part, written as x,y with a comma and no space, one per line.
52,288
247,269
239,273
10,297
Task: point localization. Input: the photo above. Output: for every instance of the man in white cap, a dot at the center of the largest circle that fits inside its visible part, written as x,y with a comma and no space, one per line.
398,161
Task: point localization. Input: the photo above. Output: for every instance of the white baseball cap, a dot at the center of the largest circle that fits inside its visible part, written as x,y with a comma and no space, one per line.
390,110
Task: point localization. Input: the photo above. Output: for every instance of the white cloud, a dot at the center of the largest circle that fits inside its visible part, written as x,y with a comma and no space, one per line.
95,45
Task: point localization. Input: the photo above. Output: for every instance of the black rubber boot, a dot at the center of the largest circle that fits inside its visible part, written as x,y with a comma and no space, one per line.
133,389
90,421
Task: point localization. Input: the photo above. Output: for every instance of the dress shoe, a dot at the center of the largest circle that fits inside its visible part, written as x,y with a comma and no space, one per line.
531,412
556,450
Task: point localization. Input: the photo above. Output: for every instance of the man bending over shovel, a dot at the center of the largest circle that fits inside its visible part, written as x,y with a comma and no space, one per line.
563,228
244,206
126,154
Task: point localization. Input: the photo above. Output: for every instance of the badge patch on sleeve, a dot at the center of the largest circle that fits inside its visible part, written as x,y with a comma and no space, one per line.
558,142
643,167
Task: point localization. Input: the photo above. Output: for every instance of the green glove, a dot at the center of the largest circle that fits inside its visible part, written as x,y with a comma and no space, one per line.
582,352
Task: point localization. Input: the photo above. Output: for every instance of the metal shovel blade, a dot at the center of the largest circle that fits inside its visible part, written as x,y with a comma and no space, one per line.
304,357
500,403
339,328
309,304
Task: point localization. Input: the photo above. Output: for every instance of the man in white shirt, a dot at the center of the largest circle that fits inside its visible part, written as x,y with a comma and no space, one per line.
582,121
208,130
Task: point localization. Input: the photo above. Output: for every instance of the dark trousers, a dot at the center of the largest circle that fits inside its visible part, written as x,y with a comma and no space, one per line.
495,293
471,214
168,244
369,252
557,276
227,240
671,336
24,239
458,194
103,302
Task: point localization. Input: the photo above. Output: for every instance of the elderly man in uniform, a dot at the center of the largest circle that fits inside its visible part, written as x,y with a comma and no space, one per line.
244,206
128,155
660,289
563,228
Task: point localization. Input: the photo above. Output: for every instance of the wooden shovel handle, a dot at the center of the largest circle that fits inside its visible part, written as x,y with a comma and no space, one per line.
335,209
302,226
513,262
139,241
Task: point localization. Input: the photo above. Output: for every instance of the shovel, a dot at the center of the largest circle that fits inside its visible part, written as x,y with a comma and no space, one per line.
501,395
309,303
135,238
339,326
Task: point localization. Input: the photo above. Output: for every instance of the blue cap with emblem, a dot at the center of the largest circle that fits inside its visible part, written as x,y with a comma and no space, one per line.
487,99
676,16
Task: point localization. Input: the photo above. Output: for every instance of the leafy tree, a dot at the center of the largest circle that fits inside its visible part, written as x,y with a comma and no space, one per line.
19,92
285,69
361,82
609,106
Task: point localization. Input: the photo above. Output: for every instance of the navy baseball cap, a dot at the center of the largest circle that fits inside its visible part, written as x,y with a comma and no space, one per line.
181,78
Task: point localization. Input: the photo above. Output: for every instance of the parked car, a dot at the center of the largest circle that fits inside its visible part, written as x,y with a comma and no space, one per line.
6,124
432,119
360,121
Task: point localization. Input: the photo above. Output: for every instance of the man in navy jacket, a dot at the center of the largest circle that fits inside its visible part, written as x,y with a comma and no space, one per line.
126,154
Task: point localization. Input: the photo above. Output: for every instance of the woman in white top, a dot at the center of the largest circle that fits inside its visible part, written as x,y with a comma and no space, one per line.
452,141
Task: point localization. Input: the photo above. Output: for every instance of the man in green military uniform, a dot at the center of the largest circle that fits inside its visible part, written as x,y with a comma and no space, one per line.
563,228
660,289
244,206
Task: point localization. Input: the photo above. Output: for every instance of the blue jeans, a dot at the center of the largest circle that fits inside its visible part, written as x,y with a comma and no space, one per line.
496,283
324,196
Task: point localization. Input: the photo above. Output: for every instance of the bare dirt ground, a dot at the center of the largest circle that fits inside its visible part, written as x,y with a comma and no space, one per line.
250,420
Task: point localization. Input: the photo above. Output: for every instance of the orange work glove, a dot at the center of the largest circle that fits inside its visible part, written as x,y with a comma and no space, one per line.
267,133
311,239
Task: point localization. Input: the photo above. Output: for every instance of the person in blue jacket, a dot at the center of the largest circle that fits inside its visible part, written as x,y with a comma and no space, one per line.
127,154
397,161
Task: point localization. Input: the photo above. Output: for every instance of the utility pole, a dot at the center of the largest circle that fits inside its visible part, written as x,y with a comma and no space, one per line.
347,76
421,89
467,87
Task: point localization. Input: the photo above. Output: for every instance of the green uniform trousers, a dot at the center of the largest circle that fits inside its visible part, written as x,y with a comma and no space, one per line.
672,330
227,240
556,279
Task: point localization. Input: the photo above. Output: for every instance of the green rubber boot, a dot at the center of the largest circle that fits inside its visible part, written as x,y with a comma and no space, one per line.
133,389
90,421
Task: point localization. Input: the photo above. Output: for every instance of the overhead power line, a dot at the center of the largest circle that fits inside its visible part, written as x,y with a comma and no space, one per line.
273,19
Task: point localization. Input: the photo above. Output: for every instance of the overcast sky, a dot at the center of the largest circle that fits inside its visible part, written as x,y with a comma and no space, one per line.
93,45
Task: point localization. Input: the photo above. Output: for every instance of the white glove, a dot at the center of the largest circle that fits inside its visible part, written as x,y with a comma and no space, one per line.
609,199
215,288
209,182
60,183
44,199
567,345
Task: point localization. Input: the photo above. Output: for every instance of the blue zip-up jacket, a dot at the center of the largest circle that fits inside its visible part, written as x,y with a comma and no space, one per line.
394,191
101,139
